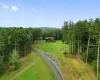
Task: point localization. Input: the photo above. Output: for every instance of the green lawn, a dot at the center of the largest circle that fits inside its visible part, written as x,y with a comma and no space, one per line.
71,68
38,71
56,49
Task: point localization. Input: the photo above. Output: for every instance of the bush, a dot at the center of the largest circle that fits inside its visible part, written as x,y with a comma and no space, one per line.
1,64
65,53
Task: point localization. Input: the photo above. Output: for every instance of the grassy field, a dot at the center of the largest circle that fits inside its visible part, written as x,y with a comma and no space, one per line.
72,69
38,71
56,49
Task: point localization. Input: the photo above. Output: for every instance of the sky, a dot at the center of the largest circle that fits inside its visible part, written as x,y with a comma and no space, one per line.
46,13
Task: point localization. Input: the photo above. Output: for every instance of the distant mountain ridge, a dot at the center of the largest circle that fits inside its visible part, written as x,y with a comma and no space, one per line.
47,28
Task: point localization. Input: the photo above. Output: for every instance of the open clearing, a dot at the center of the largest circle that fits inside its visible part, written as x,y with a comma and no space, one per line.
38,71
72,69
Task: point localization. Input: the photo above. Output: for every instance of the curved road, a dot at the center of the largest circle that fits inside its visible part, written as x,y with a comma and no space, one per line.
52,66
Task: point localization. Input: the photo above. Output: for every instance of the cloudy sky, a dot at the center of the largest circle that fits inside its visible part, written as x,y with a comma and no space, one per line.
46,13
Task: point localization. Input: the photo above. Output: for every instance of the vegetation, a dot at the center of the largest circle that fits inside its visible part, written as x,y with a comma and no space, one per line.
37,70
34,72
71,68
1,64
56,33
80,43
16,41
83,38
14,59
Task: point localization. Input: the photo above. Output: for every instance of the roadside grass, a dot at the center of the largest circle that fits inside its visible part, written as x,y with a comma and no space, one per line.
38,71
71,68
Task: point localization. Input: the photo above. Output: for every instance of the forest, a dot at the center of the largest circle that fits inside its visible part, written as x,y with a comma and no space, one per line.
83,38
17,42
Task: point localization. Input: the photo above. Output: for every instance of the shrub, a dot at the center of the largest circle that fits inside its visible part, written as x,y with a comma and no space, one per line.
65,53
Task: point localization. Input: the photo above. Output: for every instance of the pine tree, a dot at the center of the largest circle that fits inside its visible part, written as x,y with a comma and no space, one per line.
14,59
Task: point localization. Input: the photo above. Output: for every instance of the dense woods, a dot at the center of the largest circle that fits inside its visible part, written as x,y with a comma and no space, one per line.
16,43
52,32
83,38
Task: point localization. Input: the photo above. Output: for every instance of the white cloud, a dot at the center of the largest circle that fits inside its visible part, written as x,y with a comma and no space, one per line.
14,8
33,9
5,6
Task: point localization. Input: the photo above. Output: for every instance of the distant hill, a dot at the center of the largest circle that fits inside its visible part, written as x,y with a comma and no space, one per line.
47,28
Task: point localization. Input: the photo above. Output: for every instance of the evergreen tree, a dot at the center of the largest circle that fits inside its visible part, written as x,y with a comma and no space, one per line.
14,59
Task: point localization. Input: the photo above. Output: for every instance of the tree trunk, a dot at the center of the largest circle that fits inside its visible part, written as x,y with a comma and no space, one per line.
78,50
65,46
98,60
87,49
72,46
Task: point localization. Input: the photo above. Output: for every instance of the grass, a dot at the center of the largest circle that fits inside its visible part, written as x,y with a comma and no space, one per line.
38,71
71,68
55,49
